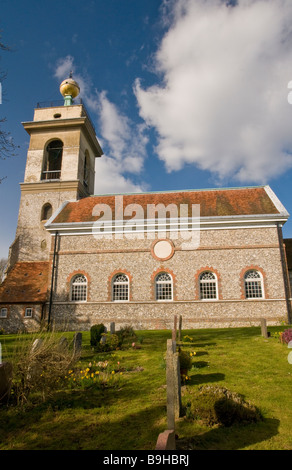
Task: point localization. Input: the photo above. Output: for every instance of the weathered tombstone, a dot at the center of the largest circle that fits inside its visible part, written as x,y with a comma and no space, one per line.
36,345
179,327
112,328
77,344
63,344
172,384
5,381
174,331
264,328
290,353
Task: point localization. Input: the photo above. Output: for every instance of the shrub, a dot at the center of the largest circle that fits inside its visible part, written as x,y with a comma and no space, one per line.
214,405
110,343
185,360
37,370
95,334
287,336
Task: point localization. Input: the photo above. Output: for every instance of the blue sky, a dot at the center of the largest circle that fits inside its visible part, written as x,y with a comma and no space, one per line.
184,94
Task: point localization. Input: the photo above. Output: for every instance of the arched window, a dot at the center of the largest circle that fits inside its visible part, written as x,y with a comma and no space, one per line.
208,286
120,288
163,286
86,169
253,284
52,160
79,288
47,211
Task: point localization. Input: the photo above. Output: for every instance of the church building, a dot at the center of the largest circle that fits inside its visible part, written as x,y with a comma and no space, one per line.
216,256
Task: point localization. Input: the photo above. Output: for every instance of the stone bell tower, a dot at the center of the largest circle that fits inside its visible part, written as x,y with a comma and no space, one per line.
60,166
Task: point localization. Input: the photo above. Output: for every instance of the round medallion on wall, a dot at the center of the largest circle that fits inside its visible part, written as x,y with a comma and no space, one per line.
162,250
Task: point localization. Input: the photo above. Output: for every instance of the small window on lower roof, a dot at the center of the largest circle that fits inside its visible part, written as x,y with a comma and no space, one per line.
28,312
3,312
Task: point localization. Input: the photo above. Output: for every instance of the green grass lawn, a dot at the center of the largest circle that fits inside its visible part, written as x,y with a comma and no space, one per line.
130,412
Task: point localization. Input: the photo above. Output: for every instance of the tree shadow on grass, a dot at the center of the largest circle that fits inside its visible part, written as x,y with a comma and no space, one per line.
237,437
91,430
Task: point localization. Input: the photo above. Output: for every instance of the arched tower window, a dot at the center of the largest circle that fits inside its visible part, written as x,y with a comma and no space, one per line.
163,286
47,211
120,288
53,160
208,285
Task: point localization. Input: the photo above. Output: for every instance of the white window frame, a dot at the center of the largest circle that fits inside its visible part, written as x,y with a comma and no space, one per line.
159,283
5,314
26,312
258,280
204,282
119,287
77,289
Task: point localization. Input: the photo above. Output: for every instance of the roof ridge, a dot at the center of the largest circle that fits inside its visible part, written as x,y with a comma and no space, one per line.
179,191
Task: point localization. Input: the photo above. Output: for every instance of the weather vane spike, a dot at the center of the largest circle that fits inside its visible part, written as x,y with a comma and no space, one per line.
71,74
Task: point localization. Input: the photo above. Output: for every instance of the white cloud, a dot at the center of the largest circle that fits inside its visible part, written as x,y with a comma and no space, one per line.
123,141
222,104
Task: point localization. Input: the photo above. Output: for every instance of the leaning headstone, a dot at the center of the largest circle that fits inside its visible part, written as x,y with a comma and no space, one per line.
173,390
179,327
5,381
77,344
264,328
170,387
63,344
112,328
36,345
174,331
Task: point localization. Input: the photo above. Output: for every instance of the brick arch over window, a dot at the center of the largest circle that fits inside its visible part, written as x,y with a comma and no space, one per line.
110,282
161,270
263,277
197,282
71,277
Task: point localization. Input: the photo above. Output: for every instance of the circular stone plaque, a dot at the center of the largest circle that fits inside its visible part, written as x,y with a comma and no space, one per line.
163,249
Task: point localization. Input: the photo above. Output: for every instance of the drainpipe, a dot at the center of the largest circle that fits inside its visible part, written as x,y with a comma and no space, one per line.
52,280
285,272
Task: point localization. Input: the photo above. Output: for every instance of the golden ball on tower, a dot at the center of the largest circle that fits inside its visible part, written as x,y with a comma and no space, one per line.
69,87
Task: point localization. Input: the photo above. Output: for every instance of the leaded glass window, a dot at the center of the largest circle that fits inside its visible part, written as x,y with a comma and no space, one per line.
120,288
253,285
79,288
208,286
163,286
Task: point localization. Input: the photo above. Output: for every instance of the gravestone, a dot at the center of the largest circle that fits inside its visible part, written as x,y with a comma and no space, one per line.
174,331
264,328
173,390
112,328
63,344
36,345
179,327
5,381
77,344
290,353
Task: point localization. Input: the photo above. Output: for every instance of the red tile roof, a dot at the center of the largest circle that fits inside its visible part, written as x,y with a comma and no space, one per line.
221,202
26,282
